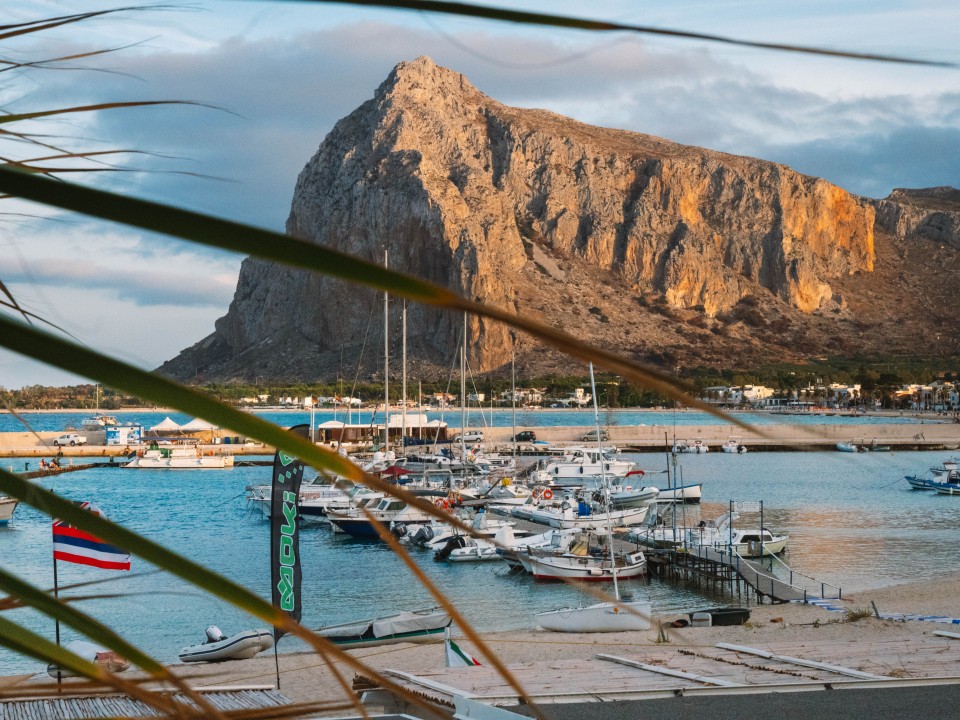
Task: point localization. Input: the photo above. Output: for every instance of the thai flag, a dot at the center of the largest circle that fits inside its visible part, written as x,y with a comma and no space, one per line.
76,546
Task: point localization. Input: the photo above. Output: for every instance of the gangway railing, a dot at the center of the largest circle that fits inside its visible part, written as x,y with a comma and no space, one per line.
754,574
794,574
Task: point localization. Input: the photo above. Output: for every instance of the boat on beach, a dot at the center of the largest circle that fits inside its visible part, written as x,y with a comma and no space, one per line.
218,647
417,626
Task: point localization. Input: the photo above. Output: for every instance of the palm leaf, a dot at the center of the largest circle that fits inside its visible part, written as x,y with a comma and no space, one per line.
573,23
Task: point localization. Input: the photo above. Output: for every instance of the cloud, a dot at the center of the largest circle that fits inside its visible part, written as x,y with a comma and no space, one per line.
270,96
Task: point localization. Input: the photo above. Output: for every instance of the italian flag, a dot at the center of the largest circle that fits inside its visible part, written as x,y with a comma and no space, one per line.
457,657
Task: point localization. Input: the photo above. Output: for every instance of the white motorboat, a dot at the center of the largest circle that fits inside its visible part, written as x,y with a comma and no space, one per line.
745,542
474,550
682,494
218,647
621,616
849,447
579,464
179,458
733,445
696,446
418,626
691,493
7,506
97,423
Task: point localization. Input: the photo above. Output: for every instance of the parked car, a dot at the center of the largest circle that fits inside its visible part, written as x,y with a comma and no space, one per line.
70,439
469,436
525,436
592,436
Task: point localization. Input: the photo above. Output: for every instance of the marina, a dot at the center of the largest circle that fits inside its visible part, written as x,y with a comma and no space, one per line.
843,531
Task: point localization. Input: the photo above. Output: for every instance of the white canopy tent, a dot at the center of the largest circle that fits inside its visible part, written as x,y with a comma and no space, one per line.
167,425
197,425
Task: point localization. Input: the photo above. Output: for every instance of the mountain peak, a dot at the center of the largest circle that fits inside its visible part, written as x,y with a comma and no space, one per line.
423,77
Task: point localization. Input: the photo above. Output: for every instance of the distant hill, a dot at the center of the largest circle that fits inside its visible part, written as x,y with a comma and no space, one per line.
667,253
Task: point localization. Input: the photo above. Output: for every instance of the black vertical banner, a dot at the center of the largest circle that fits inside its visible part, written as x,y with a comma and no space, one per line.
285,571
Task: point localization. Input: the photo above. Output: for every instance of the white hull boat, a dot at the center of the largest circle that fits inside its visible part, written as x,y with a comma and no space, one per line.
179,459
570,519
242,646
418,626
581,463
733,445
7,506
586,567
601,617
684,494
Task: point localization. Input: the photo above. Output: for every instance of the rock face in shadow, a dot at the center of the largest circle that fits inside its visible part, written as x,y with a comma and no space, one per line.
928,213
529,211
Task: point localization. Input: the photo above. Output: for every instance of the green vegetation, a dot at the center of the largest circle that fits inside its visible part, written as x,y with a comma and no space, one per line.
877,378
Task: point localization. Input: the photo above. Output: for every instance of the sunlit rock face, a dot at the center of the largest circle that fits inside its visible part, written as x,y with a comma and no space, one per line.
454,187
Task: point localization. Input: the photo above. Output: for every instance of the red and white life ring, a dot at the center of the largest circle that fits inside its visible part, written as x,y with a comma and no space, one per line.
547,494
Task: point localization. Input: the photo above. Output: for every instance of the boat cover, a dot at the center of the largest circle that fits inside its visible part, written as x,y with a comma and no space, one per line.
409,622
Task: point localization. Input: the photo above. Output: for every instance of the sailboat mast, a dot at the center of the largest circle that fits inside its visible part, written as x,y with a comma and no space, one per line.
403,424
513,402
386,363
603,481
463,391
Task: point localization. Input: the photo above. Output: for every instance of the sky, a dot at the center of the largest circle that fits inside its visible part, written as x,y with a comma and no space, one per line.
270,79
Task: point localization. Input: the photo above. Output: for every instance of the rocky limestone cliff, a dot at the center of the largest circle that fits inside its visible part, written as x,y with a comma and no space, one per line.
535,212
929,213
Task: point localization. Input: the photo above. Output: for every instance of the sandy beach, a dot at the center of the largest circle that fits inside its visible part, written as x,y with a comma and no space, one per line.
886,648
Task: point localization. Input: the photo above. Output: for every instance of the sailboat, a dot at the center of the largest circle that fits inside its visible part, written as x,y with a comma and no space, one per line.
620,615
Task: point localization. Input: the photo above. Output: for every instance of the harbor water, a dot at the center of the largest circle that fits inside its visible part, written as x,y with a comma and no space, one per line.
853,522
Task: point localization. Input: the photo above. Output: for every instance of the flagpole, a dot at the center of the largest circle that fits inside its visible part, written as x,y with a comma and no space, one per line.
56,596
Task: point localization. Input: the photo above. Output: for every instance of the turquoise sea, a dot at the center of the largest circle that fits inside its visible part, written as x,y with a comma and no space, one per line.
851,518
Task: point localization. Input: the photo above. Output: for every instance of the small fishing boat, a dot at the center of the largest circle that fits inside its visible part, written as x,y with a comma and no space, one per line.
7,506
91,653
417,626
849,447
218,647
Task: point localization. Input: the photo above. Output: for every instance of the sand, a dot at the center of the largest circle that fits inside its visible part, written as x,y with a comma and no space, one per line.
306,677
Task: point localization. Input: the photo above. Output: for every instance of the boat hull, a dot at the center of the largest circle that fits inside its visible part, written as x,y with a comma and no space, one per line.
587,568
7,506
242,646
600,618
